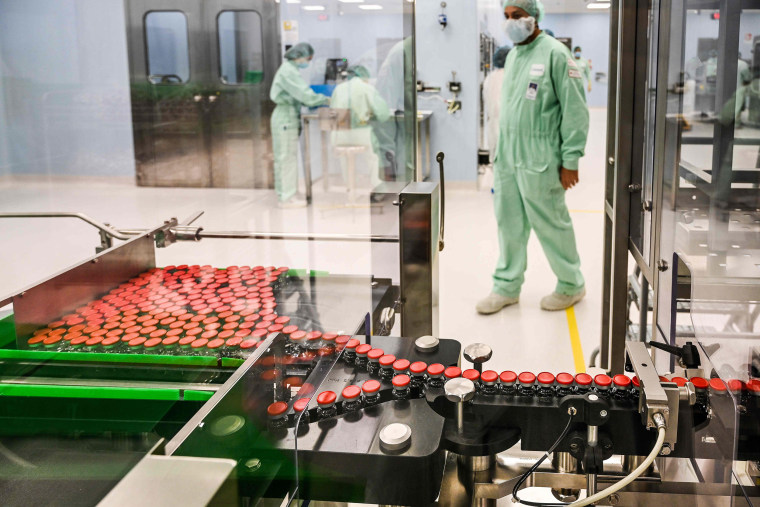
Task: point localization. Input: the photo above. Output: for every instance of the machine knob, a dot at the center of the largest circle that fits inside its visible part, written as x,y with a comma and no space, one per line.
426,343
477,354
395,436
459,390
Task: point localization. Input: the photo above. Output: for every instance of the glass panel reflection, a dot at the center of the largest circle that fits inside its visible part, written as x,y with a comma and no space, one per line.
166,39
241,55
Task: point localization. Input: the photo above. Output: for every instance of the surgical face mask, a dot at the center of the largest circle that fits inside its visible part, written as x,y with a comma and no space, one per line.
577,54
520,29
302,65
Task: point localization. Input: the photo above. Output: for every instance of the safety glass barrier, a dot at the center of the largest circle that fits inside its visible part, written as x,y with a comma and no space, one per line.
711,218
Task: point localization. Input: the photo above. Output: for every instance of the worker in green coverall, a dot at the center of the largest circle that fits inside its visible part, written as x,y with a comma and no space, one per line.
542,134
289,92
583,65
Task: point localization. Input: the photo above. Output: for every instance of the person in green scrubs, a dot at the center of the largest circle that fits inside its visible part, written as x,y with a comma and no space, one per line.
543,127
584,65
289,92
362,105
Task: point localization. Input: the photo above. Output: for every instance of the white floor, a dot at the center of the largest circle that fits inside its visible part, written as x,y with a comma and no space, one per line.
523,337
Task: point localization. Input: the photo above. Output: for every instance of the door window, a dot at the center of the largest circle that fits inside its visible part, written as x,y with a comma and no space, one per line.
241,57
167,47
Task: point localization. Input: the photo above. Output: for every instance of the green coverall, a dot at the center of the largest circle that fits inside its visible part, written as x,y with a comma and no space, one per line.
542,126
366,105
583,66
289,92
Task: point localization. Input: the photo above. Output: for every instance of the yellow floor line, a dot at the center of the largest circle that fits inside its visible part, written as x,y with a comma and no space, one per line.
575,341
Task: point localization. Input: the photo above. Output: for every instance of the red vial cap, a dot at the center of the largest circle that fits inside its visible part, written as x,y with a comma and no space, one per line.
622,381
401,381
375,354
149,344
602,380
699,382
545,378
282,320
200,342
418,368
277,409
371,387
508,377
248,344
635,381
526,377
170,340
471,374
329,337
735,385
452,372
215,344
583,379
363,349
565,379
663,378
314,335
717,384
753,386
326,398
289,330
489,377
342,340
297,335
110,341
301,404
387,360
137,341
436,369
350,393
352,343
401,365
680,381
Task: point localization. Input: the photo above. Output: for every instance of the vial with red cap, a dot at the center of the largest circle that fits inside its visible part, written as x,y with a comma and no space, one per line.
349,351
700,389
301,412
326,405
621,387
386,367
545,386
489,381
278,415
295,346
352,399
435,378
373,361
474,376
401,366
361,356
401,387
417,370
507,383
526,384
371,392
565,384
583,383
602,384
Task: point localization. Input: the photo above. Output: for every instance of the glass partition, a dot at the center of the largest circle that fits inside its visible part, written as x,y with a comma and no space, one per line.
180,180
710,206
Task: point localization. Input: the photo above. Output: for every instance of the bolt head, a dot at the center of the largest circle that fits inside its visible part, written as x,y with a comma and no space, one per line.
603,413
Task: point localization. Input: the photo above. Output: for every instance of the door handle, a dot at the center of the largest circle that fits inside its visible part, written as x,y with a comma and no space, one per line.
197,98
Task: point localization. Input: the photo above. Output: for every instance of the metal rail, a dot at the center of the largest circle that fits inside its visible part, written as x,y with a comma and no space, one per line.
69,214
373,238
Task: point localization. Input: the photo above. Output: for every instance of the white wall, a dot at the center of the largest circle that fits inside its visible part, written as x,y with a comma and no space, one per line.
64,85
439,52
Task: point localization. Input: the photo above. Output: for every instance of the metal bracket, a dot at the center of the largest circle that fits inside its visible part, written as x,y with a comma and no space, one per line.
654,398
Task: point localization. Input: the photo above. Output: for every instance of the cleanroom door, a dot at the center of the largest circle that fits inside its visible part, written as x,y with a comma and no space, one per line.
200,75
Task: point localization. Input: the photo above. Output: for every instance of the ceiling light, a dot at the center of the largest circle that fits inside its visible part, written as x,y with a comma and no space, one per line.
313,7
371,7
351,1
598,5
293,1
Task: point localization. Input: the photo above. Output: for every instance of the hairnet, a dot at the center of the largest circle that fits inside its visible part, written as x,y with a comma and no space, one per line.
549,32
500,56
533,7
577,48
300,50
359,71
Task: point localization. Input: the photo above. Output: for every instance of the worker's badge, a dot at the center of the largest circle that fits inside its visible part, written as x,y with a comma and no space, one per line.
537,69
574,73
532,91
572,63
